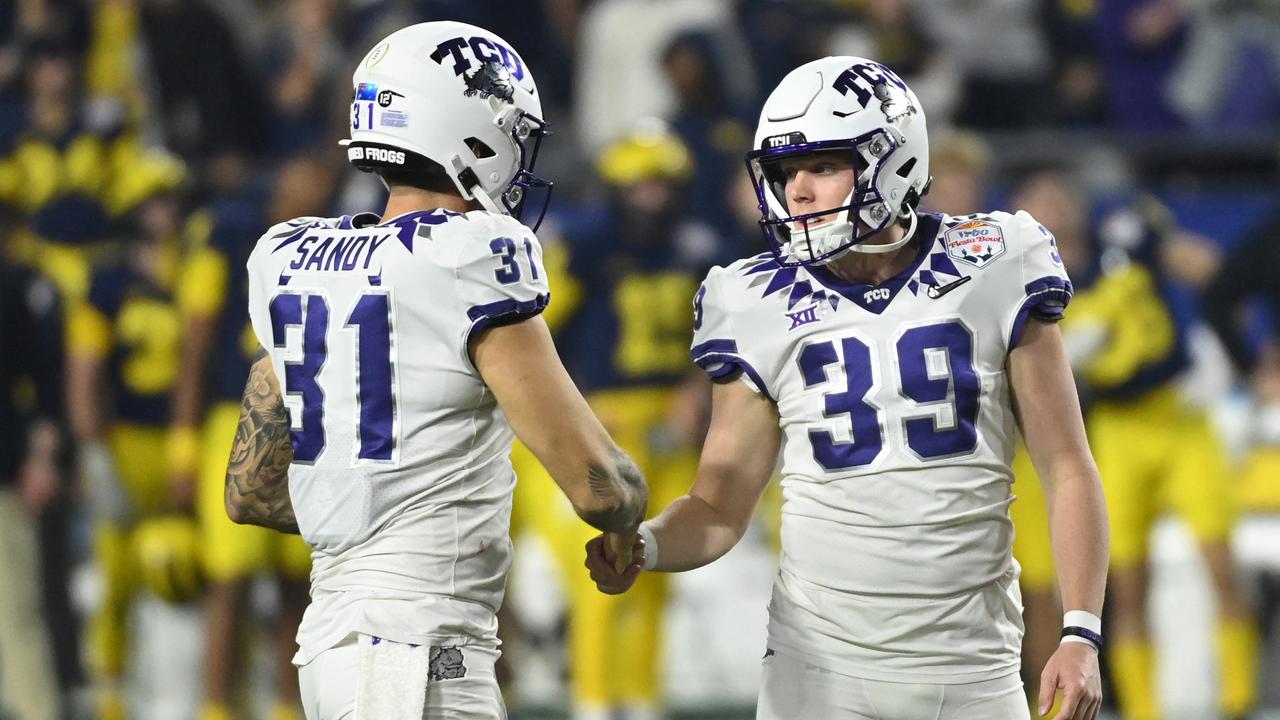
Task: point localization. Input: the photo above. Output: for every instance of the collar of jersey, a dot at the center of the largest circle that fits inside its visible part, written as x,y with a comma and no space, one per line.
363,220
926,234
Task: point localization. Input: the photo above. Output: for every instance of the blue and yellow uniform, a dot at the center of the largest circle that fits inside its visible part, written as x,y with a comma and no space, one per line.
625,347
624,344
129,324
58,183
214,286
73,188
623,283
1154,451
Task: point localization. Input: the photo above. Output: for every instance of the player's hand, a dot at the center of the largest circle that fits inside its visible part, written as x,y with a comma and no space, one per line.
619,549
1073,668
607,577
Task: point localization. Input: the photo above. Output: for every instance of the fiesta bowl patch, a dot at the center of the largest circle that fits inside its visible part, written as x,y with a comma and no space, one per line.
975,242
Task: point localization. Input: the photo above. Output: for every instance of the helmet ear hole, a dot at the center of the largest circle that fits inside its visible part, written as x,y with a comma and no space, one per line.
905,169
479,148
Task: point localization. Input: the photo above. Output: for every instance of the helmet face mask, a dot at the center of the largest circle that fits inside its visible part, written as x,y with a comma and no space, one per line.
825,234
840,104
516,197
453,100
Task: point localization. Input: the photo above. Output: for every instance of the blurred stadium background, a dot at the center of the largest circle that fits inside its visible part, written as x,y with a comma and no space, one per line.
162,136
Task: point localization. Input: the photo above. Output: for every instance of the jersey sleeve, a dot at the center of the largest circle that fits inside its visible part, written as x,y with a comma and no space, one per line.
716,347
259,291
499,275
1046,289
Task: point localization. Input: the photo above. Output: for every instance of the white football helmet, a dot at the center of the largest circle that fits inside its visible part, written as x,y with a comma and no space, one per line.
451,95
832,104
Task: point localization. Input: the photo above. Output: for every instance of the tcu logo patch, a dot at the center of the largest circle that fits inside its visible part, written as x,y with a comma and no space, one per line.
975,242
480,50
877,294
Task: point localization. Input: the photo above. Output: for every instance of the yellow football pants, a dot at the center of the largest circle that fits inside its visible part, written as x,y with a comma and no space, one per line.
140,463
614,640
234,551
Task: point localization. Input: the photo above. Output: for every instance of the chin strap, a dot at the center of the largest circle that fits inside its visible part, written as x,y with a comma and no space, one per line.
864,247
467,182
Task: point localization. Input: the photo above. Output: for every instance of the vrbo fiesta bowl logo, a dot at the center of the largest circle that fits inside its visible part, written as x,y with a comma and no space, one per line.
975,242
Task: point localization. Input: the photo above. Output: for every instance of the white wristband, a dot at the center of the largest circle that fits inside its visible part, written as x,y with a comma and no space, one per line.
1082,618
650,546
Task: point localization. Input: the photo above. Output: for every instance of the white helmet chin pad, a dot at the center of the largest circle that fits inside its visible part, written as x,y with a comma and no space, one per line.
831,241
851,104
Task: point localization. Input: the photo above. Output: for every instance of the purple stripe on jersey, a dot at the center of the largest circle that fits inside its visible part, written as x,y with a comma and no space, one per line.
939,262
719,365
799,291
292,236
761,264
504,312
1046,299
717,346
784,278
409,223
405,235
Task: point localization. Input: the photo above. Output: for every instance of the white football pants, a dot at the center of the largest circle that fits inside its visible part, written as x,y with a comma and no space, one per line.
363,678
792,689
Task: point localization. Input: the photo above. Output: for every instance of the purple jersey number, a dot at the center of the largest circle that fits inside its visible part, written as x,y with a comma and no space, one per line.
371,317
504,248
289,310
864,419
959,386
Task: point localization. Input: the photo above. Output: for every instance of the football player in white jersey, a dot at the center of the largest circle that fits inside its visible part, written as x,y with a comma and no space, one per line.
891,357
401,353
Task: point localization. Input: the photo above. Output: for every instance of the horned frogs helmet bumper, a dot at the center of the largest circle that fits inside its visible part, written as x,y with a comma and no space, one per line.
451,96
841,104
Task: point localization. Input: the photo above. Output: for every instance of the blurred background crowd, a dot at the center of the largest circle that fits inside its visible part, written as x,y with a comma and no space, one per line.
145,144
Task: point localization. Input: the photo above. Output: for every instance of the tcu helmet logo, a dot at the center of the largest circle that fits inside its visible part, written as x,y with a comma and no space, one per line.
481,50
490,79
865,81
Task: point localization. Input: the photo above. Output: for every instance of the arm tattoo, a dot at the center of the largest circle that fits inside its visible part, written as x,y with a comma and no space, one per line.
623,485
257,490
